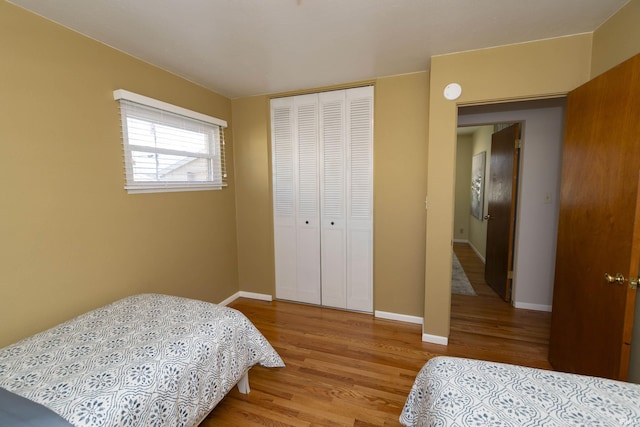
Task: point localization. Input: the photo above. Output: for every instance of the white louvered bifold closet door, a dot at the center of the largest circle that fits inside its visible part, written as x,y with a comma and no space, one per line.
333,165
294,139
322,148
359,149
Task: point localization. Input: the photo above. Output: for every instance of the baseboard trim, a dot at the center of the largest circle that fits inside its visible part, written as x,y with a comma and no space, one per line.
536,307
253,295
243,294
435,339
399,317
460,241
231,299
484,261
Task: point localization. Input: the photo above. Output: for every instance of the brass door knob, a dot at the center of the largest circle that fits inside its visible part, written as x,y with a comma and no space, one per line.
618,278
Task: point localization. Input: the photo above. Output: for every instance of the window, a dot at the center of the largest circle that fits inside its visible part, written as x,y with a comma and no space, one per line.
169,148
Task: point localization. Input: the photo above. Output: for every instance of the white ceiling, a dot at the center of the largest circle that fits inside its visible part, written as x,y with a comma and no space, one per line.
248,47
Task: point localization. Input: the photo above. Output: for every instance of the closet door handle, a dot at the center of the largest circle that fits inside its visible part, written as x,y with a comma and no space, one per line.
306,222
331,222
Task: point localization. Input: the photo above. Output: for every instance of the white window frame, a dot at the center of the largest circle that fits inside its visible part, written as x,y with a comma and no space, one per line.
215,134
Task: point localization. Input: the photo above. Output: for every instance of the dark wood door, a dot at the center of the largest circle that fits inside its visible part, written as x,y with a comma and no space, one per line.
503,171
599,223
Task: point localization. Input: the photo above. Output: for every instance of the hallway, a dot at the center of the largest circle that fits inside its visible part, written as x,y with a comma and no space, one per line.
486,327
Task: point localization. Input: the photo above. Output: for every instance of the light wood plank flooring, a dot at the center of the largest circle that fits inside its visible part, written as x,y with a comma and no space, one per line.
351,369
486,327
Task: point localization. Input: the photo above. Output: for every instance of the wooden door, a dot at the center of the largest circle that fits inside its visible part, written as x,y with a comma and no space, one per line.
501,210
599,224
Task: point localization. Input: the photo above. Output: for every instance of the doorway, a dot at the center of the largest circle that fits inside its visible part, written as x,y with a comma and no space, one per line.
537,199
537,214
536,225
487,165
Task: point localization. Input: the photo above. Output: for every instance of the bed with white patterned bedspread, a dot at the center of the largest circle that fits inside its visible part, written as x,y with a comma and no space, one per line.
146,360
462,392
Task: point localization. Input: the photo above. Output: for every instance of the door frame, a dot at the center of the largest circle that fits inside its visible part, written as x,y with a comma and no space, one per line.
531,114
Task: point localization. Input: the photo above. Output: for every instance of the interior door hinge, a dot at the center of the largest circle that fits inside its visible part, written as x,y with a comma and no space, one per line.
518,143
510,274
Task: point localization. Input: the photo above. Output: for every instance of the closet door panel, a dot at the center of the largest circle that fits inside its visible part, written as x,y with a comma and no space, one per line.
308,267
359,270
285,237
294,142
359,188
284,189
333,198
307,200
334,266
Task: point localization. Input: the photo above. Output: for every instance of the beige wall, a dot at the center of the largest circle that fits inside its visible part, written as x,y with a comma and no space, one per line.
400,172
71,238
256,270
475,231
477,228
400,131
529,70
462,212
617,39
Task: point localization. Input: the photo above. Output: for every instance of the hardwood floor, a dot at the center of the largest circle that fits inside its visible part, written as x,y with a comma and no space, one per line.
351,369
486,327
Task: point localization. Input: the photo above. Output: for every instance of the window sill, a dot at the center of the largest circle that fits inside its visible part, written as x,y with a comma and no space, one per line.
143,189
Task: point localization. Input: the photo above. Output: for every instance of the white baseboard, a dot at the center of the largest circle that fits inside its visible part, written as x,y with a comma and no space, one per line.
243,294
536,307
435,339
253,295
231,299
472,247
484,261
399,317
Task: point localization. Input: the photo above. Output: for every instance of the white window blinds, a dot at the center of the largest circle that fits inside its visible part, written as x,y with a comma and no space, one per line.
169,148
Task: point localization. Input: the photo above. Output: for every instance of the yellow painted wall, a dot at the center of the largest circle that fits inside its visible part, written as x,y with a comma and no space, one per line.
477,228
399,189
528,70
400,131
71,238
617,39
256,270
462,203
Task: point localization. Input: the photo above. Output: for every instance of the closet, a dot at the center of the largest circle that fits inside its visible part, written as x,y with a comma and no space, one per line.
322,164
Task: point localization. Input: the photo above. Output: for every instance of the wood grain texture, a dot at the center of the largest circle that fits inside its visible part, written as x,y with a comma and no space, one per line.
502,209
351,369
598,226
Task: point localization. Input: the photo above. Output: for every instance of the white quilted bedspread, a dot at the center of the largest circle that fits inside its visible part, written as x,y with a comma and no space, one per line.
146,360
462,392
